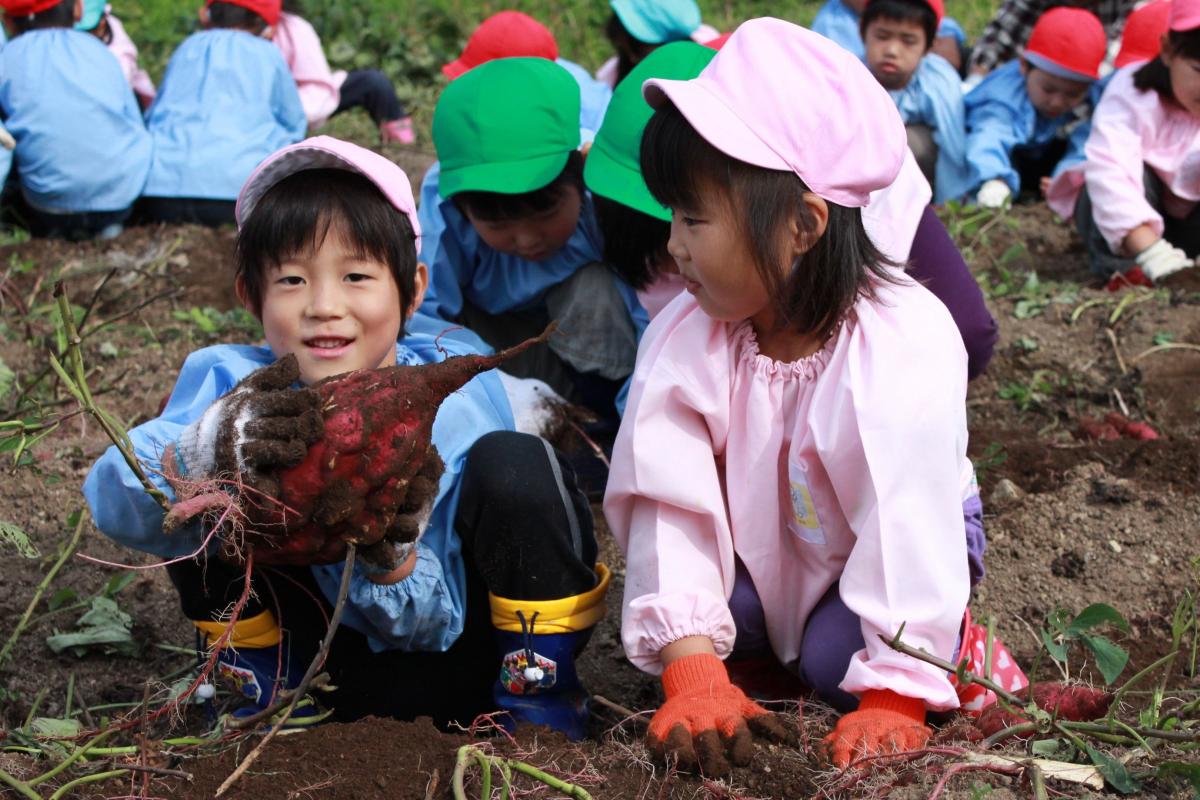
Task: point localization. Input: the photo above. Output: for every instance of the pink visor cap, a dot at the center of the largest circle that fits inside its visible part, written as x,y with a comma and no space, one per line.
326,152
1185,15
782,97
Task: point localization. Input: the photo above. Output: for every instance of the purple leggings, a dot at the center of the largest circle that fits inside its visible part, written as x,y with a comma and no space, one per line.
936,263
832,633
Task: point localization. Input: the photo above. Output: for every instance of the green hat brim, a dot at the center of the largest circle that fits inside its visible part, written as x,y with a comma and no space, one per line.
502,177
610,177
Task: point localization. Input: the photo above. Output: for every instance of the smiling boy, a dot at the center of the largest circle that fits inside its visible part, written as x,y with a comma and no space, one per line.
898,35
1024,121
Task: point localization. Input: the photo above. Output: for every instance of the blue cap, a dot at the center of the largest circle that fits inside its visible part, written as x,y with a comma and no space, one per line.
93,10
658,21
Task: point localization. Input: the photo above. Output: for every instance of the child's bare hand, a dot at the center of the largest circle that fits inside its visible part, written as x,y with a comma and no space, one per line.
1044,185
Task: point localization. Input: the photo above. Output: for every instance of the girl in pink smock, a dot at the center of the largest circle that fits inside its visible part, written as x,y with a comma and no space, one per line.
1138,212
791,471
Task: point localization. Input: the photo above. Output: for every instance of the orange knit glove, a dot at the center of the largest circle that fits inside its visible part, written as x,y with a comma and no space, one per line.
705,718
885,722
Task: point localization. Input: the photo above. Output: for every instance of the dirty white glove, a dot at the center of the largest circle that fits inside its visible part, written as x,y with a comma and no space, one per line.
1162,259
6,139
533,403
993,194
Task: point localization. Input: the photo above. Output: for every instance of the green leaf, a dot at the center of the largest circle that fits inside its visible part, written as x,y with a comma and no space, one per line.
118,582
56,728
1027,309
1114,772
109,350
1057,650
104,626
1051,748
1162,337
6,378
16,537
1110,659
1181,769
61,598
1013,252
1095,615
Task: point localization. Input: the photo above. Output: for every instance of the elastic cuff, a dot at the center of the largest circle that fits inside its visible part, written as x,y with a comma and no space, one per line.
691,672
887,700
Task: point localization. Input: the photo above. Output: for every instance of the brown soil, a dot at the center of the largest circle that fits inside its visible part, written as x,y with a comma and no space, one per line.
1109,522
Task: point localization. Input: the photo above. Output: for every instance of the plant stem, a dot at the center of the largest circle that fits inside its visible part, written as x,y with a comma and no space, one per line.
570,789
969,677
77,754
62,791
1120,693
41,587
19,786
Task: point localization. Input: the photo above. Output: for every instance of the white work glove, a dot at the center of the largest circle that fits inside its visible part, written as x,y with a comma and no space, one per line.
533,403
1162,259
993,194
6,139
261,426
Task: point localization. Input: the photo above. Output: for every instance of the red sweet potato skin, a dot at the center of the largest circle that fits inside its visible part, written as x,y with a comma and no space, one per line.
1070,702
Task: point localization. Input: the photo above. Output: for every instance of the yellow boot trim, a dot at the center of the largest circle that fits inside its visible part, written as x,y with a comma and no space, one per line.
567,615
261,630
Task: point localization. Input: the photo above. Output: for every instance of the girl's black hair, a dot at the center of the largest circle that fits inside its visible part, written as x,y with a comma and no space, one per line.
228,15
630,51
633,242
917,11
1154,75
681,168
59,16
296,214
500,207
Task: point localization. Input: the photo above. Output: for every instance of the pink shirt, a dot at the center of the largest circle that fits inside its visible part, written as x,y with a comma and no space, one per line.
126,52
847,467
319,87
1132,130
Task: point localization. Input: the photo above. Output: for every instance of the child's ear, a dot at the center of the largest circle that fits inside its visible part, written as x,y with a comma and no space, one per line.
804,237
1024,66
268,32
203,15
78,13
243,296
420,284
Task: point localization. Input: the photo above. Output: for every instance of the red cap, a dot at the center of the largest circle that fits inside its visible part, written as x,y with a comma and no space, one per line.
1069,43
508,34
26,8
1185,15
939,9
267,9
1142,37
719,42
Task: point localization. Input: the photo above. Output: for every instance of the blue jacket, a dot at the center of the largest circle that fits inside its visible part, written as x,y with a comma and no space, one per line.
934,97
426,610
81,144
227,101
593,98
838,21
463,267
1000,118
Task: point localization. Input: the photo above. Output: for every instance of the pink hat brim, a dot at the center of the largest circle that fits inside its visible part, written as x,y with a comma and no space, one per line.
714,121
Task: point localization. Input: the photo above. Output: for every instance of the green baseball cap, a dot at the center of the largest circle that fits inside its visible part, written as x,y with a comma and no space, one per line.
614,165
506,126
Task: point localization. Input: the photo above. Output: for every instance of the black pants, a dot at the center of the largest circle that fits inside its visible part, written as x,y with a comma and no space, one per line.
372,90
1034,163
527,533
183,210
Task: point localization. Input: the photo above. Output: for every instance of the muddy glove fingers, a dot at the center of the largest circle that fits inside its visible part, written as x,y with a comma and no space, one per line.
274,377
1162,259
769,726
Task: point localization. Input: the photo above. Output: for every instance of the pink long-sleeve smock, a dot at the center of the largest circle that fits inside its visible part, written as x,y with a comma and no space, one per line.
126,52
1132,130
320,88
847,466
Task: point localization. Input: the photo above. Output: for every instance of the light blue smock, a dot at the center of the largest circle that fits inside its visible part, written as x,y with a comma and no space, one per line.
227,101
1001,117
594,96
81,143
838,21
934,97
425,611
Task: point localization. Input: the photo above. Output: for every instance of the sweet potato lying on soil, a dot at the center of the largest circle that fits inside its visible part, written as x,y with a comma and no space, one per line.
1070,702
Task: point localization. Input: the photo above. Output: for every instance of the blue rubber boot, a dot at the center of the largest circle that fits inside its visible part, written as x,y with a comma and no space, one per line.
539,642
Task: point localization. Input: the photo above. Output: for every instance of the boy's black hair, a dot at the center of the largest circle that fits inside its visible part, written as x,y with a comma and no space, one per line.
1154,75
500,207
630,50
917,11
296,214
633,242
228,15
843,265
59,16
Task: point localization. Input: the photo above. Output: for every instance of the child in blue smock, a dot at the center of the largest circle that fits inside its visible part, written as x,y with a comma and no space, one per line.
510,235
1022,119
502,567
840,20
227,101
926,89
82,151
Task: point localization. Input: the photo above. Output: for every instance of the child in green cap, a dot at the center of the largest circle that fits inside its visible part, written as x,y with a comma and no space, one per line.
510,234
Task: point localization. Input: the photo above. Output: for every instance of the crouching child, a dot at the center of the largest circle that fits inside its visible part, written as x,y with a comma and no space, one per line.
498,566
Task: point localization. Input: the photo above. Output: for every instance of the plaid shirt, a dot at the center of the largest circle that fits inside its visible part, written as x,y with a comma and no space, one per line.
1008,31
